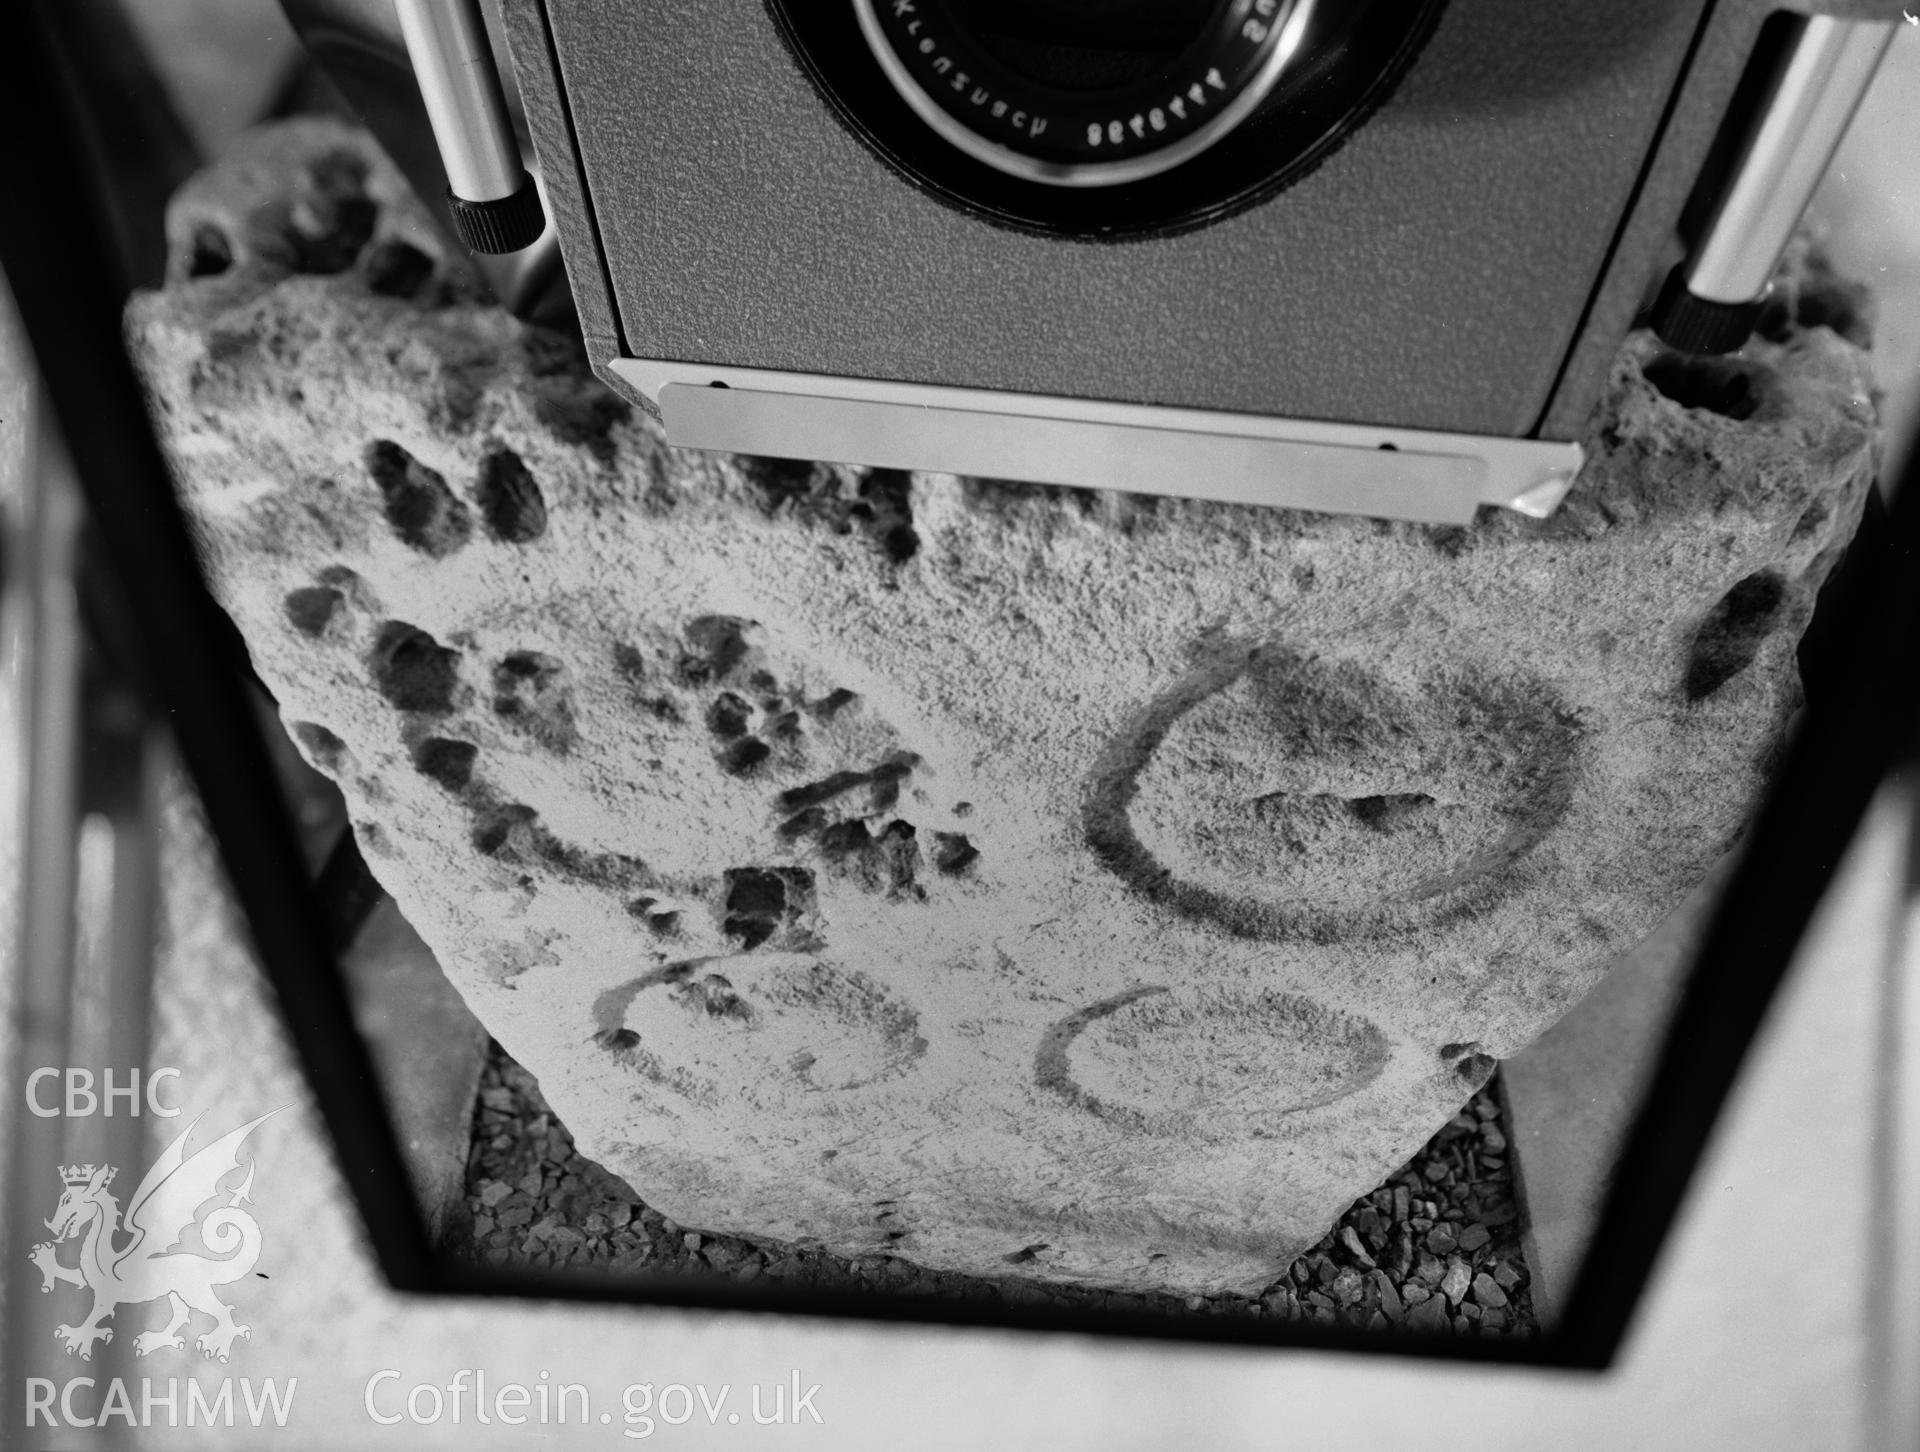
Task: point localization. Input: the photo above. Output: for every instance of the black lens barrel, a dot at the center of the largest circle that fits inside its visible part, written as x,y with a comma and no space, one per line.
1048,100
1104,122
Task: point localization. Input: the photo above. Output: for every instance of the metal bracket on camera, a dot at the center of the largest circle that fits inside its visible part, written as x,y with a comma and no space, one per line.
1334,468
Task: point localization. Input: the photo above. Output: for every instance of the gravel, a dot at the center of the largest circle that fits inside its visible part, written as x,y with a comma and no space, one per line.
1435,1249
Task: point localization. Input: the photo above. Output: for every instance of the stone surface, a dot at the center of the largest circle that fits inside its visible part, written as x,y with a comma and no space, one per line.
961,868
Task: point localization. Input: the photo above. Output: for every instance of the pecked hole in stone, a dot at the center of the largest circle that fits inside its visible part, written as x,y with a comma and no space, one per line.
886,790
779,481
887,497
727,717
493,827
800,798
511,832
885,777
1836,305
878,501
397,269
322,747
617,1039
629,663
210,252
1818,300
333,217
807,823
763,901
887,861
742,756
632,668
413,670
1390,812
311,610
1730,637
532,692
1776,322
1714,385
716,644
446,761
421,509
662,922
833,703
523,667
953,854
714,995
510,500
896,858
841,839
1476,1069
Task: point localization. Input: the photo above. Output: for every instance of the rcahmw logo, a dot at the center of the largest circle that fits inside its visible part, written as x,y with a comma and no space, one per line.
78,1404
147,1256
140,1260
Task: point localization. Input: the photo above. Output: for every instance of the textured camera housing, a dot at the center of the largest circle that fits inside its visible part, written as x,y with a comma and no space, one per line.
1466,261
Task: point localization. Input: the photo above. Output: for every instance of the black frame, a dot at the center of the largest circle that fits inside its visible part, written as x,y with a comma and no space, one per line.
1861,721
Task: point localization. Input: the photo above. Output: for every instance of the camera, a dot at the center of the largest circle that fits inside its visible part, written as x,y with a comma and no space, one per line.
1371,257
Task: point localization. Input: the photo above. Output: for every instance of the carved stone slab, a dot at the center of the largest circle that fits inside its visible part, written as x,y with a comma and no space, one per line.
1023,881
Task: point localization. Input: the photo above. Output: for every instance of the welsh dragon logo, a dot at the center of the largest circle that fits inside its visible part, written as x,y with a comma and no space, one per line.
143,1259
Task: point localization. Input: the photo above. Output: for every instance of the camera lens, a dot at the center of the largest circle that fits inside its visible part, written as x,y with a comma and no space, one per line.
1076,93
1103,119
1085,45
1137,35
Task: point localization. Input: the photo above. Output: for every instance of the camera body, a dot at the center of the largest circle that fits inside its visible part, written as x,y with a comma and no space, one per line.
1412,314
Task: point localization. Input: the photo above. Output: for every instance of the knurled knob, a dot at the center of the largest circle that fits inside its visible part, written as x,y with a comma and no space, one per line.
1699,325
505,224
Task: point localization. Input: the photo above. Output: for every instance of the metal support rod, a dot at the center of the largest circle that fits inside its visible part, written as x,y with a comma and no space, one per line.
495,204
1711,301
1825,73
453,64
